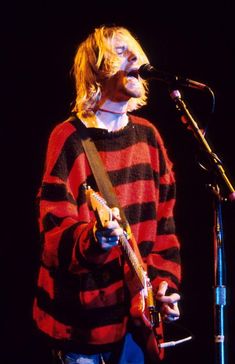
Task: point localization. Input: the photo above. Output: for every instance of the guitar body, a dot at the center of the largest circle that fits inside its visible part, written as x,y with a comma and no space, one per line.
146,318
148,330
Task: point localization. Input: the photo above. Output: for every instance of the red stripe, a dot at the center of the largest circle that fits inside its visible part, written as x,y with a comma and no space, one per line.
167,179
136,192
165,209
158,261
165,242
47,178
58,208
133,155
45,281
144,231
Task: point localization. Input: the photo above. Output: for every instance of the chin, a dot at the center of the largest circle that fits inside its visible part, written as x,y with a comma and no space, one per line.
135,93
135,89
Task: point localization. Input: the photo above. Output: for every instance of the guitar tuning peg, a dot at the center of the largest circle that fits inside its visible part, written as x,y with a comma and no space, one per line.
86,186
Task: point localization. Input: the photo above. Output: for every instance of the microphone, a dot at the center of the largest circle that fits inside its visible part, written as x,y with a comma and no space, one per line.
147,71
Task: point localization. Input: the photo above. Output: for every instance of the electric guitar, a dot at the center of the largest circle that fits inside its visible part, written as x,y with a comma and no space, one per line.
143,310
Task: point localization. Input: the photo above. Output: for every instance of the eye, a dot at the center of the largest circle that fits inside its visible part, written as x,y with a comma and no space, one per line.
120,50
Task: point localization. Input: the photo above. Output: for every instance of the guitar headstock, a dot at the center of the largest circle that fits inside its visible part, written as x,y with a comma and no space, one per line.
97,204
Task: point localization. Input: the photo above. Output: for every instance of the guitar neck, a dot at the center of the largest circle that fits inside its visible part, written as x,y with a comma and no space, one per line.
104,214
132,258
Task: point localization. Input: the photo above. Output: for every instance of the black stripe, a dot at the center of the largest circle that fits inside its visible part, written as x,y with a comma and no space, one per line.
162,164
81,198
138,172
98,277
133,136
167,192
66,247
111,141
140,212
56,192
72,148
50,221
73,314
171,254
145,248
102,276
153,272
166,226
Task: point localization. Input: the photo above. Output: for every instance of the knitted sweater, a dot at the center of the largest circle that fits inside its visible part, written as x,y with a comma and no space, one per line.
81,298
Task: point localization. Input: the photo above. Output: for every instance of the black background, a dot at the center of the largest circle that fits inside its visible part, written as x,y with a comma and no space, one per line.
38,45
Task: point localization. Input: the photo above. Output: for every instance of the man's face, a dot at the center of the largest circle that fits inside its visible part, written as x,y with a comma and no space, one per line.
125,83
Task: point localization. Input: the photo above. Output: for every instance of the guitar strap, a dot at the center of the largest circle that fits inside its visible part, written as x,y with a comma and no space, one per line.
103,181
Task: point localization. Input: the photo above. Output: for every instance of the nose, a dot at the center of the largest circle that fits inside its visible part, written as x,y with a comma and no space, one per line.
132,57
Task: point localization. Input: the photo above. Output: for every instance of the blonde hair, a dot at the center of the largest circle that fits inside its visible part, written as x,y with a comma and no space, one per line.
96,60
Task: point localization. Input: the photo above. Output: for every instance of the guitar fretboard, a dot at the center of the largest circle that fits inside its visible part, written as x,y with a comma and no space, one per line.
132,258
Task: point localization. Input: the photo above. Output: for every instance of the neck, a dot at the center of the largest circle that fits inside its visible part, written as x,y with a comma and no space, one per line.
112,112
112,107
110,120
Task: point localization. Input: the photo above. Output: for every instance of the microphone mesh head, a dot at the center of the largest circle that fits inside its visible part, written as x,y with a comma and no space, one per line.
145,71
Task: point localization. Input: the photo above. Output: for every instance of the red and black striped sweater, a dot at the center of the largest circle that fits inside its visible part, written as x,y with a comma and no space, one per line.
80,296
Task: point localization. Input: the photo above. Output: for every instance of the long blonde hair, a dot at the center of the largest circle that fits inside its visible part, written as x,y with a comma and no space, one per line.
96,60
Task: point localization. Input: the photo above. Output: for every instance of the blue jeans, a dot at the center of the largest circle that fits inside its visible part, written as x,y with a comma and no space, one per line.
130,353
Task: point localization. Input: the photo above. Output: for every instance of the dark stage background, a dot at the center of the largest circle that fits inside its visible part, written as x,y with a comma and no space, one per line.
39,41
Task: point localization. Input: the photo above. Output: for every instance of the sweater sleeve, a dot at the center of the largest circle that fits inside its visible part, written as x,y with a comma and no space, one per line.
66,226
164,261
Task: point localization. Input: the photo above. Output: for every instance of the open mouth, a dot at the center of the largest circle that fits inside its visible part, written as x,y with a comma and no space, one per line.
133,73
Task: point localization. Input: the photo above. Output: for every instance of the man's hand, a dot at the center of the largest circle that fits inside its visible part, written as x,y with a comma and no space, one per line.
108,236
169,308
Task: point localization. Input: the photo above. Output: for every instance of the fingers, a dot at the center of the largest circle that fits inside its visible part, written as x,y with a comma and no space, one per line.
116,213
162,289
172,309
169,308
170,318
170,312
106,242
161,294
174,297
108,236
113,228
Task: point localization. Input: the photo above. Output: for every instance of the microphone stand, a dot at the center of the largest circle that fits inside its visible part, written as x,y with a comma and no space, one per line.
219,260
